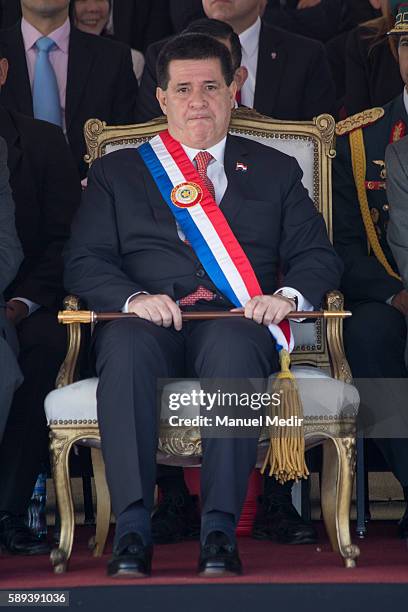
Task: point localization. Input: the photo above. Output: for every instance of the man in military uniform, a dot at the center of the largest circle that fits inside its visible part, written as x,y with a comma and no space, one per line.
375,336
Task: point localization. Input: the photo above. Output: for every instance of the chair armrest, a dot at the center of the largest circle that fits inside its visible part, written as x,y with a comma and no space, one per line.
340,368
66,374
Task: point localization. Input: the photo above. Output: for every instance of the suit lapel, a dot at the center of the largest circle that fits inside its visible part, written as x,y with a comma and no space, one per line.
18,81
79,65
235,152
10,134
271,63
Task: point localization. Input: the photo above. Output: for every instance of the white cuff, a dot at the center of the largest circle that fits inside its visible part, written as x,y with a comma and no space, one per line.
32,306
302,303
125,308
389,301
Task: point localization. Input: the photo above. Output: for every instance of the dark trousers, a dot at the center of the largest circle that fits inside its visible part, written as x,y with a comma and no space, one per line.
131,355
10,377
25,443
375,339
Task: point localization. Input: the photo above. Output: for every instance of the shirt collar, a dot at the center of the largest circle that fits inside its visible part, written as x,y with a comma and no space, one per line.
249,38
217,151
406,100
60,36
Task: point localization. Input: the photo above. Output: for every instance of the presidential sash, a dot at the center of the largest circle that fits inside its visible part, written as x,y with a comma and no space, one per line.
225,262
205,226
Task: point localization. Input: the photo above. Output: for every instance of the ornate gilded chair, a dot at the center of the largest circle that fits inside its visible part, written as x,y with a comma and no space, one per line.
329,411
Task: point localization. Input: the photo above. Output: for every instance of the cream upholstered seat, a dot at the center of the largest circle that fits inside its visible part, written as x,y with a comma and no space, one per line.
330,407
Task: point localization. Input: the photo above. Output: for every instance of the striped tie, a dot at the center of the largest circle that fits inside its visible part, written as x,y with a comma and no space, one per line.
202,159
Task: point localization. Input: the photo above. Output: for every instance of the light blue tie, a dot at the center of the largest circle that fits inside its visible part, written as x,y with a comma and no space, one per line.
46,99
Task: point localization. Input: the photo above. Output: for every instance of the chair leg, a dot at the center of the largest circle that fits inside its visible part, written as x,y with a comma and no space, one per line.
361,528
103,503
61,444
337,483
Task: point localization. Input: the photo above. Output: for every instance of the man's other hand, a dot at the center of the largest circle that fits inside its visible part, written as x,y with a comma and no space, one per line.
267,309
16,311
159,309
400,302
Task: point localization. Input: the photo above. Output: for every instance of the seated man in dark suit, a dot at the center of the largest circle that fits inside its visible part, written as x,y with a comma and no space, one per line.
141,257
288,75
46,191
65,76
11,255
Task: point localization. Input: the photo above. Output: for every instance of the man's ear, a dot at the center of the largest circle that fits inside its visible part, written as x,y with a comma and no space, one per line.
4,66
241,75
233,92
161,96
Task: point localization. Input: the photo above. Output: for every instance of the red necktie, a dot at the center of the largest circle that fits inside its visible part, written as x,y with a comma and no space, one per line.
238,97
202,159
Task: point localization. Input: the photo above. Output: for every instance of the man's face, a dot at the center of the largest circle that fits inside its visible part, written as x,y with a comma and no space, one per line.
45,8
403,58
197,102
232,10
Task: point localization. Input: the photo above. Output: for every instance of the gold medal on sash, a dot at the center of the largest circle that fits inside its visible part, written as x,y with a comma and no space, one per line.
186,195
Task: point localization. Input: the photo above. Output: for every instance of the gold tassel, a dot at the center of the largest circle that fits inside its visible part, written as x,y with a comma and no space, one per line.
286,452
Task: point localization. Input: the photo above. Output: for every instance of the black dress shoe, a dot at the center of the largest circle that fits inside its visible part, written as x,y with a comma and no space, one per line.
131,559
403,526
177,518
17,539
278,520
219,557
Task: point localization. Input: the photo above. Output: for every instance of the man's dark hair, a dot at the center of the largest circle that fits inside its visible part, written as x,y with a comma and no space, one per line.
219,30
193,47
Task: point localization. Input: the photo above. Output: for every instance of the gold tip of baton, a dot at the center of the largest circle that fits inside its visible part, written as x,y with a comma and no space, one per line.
67,317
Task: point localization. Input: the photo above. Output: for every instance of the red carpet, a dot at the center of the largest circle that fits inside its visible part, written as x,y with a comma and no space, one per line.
384,559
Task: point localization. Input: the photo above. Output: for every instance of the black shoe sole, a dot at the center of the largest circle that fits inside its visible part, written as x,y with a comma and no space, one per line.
127,573
217,573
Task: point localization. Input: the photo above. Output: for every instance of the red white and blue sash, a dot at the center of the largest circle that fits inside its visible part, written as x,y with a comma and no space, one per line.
205,226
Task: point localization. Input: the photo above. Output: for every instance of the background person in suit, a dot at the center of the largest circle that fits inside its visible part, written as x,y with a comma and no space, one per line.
65,76
372,74
46,191
92,16
139,23
196,92
288,75
11,256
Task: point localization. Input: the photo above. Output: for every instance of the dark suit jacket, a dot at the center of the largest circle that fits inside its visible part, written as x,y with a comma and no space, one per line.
320,22
100,83
135,245
372,77
365,278
293,84
139,23
11,255
10,12
11,252
46,191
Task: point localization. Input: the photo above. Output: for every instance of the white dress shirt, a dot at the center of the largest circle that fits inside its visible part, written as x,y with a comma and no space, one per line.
249,40
216,173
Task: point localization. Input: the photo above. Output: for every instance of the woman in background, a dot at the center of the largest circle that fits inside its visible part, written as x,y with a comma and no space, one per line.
93,17
372,72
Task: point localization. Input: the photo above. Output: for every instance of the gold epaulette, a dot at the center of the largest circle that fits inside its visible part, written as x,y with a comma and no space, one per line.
360,120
